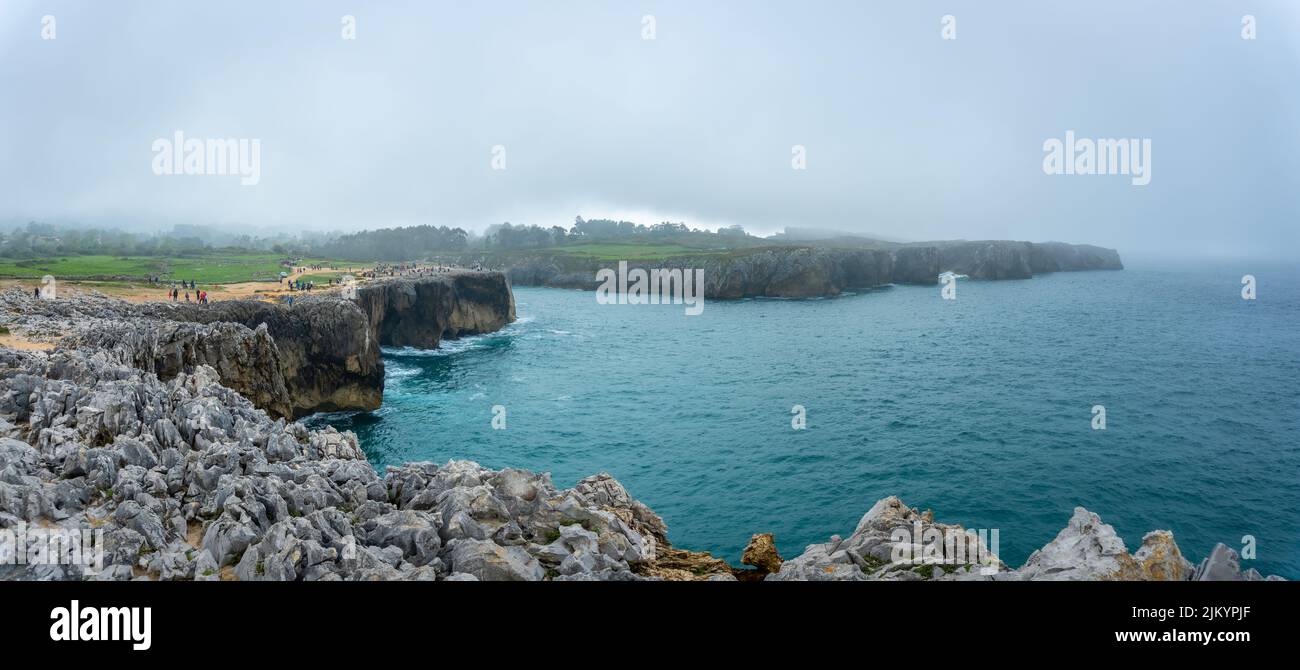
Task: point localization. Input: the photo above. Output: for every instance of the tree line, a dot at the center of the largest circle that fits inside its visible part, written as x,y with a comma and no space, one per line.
40,240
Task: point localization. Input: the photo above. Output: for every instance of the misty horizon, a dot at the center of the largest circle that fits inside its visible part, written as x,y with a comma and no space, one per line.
907,136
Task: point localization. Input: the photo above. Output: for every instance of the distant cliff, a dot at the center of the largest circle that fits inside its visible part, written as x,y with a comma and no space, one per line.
805,272
922,263
420,311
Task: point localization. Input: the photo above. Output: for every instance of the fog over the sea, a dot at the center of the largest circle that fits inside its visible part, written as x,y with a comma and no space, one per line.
908,135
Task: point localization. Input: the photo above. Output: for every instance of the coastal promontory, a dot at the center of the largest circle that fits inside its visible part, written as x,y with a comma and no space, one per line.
320,353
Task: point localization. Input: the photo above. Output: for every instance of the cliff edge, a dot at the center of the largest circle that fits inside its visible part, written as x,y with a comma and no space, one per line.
321,354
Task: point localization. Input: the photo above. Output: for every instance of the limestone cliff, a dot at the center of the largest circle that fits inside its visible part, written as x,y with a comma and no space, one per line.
421,311
324,349
320,354
806,272
248,361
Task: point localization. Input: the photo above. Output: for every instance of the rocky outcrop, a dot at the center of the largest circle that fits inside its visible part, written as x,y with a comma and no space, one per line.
247,360
186,479
421,311
1089,550
762,554
1224,565
324,351
320,354
291,361
894,542
1061,257
807,272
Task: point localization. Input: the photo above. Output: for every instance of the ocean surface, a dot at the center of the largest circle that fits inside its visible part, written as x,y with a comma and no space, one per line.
978,408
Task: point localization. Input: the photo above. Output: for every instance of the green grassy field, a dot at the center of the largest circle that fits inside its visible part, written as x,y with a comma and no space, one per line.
321,277
81,266
214,268
631,252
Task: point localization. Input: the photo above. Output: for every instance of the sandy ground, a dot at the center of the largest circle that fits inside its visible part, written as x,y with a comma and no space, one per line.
18,342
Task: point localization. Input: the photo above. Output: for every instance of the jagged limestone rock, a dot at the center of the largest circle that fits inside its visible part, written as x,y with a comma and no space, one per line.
762,554
188,480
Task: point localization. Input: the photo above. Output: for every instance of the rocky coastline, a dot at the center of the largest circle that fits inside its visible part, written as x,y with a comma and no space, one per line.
809,272
321,354
167,432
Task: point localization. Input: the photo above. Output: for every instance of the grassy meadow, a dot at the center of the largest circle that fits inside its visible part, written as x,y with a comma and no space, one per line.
214,268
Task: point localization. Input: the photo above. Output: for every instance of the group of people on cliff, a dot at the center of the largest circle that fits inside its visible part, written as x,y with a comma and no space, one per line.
408,270
183,283
200,296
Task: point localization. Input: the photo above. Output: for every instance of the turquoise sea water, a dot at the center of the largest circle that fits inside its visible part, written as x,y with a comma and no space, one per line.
978,408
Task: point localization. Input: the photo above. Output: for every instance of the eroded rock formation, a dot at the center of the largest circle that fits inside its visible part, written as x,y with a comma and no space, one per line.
320,354
188,480
894,542
323,349
420,312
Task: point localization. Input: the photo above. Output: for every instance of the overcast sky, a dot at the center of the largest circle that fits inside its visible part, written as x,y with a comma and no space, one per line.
907,135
